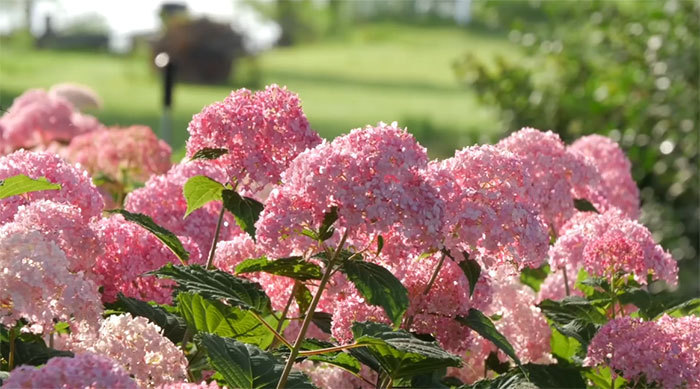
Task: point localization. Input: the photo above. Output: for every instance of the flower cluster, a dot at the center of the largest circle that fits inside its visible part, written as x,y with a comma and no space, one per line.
665,351
262,133
129,251
85,370
76,185
132,153
37,118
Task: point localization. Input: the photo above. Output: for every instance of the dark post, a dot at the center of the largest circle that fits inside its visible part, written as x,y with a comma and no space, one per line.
164,62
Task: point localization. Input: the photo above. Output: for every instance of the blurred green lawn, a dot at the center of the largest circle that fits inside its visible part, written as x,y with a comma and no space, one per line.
379,72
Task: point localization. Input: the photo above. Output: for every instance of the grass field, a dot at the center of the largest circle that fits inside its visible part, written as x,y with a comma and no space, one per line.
377,73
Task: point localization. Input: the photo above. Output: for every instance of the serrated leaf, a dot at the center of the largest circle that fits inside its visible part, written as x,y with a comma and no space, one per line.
168,238
246,366
292,267
323,320
690,307
217,285
534,376
325,231
337,358
484,327
245,210
575,317
21,184
472,270
173,325
584,205
199,191
399,353
209,153
224,320
379,287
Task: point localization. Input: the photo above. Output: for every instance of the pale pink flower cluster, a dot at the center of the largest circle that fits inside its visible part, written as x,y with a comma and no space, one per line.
129,251
554,287
38,287
37,118
375,176
487,211
607,243
138,346
132,153
262,131
64,225
76,185
615,172
328,376
557,175
665,351
191,385
163,200
85,370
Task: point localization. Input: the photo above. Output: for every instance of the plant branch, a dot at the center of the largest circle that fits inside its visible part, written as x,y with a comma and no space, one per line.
566,281
269,327
309,314
216,237
330,349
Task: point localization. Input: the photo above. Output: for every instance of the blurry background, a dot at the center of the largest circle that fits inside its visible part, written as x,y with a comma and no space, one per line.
455,72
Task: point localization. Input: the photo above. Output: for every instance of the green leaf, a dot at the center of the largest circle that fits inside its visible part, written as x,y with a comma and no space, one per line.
323,320
484,327
379,287
380,244
575,317
216,284
245,365
303,297
245,210
224,320
690,307
562,346
199,191
325,231
472,270
168,238
399,353
20,184
535,277
584,205
535,376
208,153
601,378
173,325
337,358
292,267
30,349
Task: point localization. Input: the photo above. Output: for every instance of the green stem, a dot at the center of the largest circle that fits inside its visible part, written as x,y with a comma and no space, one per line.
269,327
612,295
283,317
566,281
330,349
13,336
216,237
309,315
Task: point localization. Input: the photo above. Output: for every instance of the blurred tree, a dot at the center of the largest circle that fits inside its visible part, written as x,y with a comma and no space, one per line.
626,69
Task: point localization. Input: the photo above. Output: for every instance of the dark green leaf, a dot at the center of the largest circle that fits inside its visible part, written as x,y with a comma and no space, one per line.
216,284
379,287
323,320
690,307
292,267
245,210
173,325
472,270
584,205
380,244
224,320
337,358
484,327
303,297
199,191
20,184
325,231
399,353
535,376
208,153
247,366
168,238
575,317
495,364
30,349
534,277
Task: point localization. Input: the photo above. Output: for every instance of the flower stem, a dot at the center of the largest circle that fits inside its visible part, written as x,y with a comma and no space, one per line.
269,327
216,237
309,314
428,286
331,349
612,295
11,359
566,281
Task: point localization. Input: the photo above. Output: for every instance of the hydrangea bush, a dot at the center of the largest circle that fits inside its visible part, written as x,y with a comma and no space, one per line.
270,257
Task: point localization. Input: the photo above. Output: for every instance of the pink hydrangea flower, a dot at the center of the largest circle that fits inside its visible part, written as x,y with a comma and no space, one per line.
162,198
85,370
557,175
76,186
37,118
328,376
615,171
553,287
609,242
129,252
139,347
263,132
38,287
376,179
81,96
191,385
487,211
63,224
132,153
665,351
